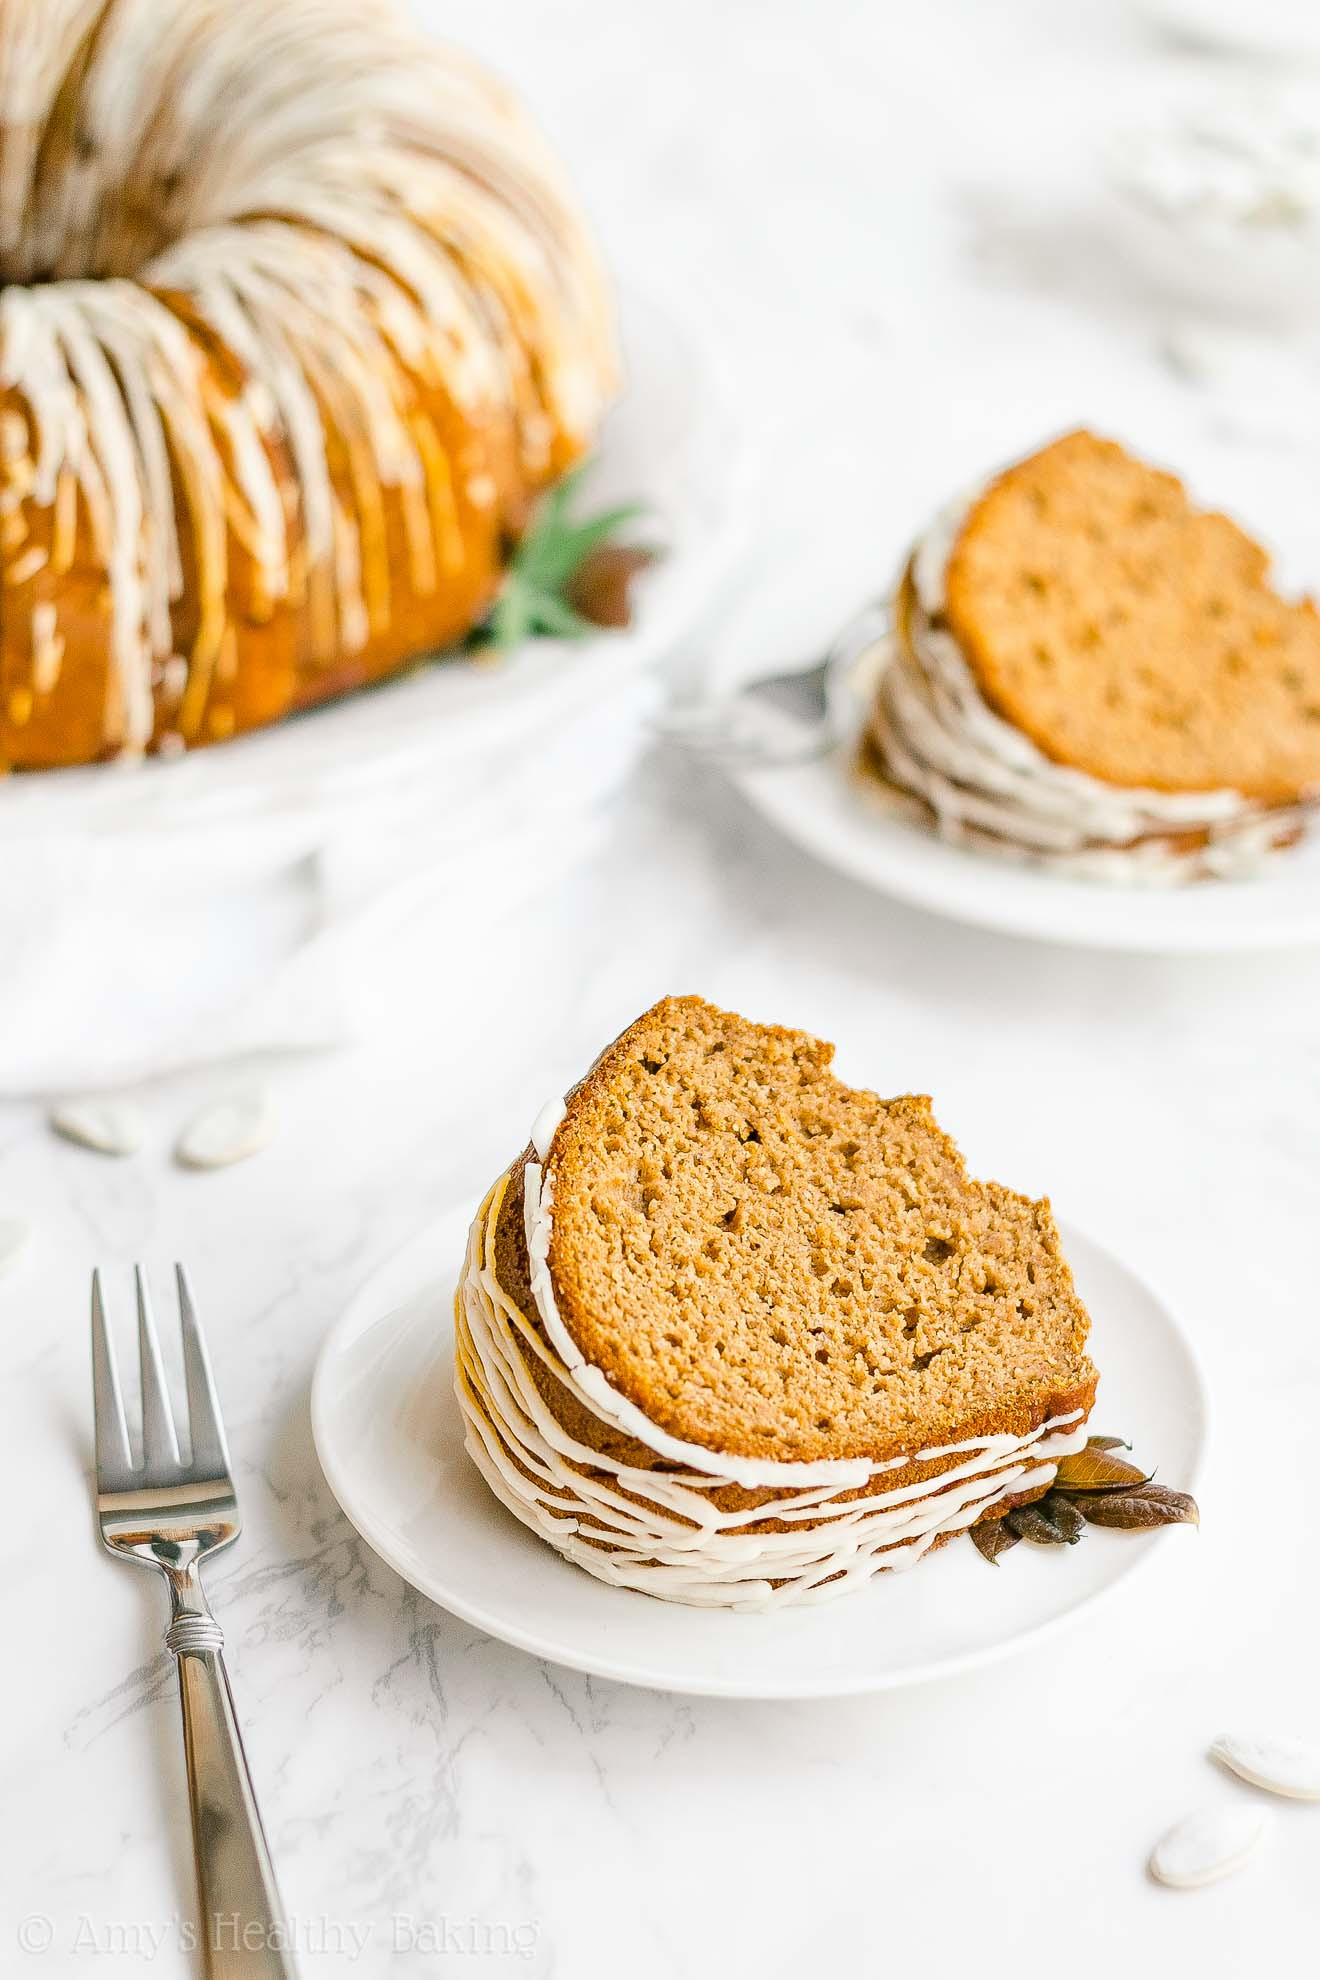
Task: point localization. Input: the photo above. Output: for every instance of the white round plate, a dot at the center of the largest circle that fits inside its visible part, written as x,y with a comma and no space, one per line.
390,1440
830,808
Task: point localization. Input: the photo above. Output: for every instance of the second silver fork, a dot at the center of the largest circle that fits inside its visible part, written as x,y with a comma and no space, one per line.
171,1515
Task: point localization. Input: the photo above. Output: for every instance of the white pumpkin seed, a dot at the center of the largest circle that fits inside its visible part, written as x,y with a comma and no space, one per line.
1283,1766
226,1131
112,1127
1212,1842
14,1235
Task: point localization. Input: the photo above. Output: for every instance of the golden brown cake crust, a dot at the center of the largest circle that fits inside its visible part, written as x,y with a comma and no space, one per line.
857,1295
266,658
1131,636
297,319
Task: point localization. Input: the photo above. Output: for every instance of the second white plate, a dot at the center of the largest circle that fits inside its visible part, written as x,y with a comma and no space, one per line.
390,1439
827,807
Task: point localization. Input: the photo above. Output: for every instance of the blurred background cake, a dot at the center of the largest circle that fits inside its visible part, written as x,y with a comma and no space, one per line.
298,317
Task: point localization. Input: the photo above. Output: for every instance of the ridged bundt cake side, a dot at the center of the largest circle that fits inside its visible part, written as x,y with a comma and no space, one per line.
297,320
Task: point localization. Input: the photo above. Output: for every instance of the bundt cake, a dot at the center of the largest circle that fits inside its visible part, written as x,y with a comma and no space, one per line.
297,318
1087,670
732,1333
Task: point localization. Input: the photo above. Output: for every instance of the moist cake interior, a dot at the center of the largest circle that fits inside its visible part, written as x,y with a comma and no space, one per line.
771,1263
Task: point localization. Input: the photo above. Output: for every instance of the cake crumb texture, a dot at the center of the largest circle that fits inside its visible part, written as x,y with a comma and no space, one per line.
1132,636
771,1263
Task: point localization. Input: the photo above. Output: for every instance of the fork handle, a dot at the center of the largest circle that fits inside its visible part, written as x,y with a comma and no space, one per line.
243,1933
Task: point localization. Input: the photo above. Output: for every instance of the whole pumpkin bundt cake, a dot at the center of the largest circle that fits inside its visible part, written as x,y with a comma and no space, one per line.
297,319
735,1334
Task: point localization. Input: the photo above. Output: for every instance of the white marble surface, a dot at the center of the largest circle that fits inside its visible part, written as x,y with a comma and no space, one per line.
890,212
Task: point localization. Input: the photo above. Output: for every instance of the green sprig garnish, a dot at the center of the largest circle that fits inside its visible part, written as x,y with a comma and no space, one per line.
567,576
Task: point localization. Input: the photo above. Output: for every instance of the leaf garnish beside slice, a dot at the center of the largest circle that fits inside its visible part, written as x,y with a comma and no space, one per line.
1065,1515
1092,1487
1094,1470
1153,1505
992,1538
566,576
1040,1523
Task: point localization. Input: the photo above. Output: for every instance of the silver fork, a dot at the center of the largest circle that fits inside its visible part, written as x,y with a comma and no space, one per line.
170,1515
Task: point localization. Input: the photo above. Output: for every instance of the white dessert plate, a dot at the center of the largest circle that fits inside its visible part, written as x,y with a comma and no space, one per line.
831,809
390,1440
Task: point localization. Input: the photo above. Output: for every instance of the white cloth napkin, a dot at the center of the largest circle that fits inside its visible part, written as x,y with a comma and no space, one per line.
135,953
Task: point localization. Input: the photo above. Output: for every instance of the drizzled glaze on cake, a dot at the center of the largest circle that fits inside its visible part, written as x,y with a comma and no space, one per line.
614,1417
296,316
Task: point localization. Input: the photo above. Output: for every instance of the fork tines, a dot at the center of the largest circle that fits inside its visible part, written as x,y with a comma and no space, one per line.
161,1463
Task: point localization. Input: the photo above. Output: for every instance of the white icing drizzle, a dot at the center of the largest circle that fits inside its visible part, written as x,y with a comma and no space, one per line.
659,1530
546,1125
353,214
987,784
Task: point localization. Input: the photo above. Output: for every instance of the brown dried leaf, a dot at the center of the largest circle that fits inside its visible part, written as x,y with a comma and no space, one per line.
1108,1444
992,1538
1094,1470
1064,1516
601,586
1153,1505
1034,1524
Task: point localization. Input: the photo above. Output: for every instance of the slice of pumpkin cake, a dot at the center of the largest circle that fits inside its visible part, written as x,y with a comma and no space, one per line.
1087,670
733,1333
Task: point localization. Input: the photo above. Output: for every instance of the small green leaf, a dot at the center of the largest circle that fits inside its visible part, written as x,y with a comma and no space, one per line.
548,557
510,618
556,618
537,597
